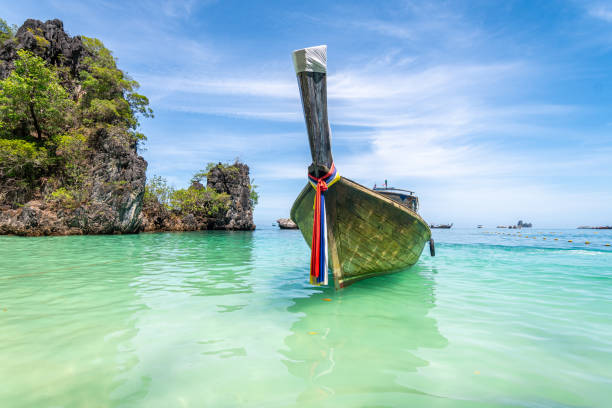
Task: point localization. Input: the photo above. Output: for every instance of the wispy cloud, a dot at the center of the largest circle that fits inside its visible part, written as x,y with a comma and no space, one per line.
386,28
222,85
603,12
480,108
420,122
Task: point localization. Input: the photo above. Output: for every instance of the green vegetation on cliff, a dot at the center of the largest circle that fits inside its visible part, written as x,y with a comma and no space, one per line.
69,137
109,95
52,112
33,103
226,200
6,31
196,199
233,172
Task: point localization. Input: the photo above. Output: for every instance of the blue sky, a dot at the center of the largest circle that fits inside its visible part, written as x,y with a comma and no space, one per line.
490,111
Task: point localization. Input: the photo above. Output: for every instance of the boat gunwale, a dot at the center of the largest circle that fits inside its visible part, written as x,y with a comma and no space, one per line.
366,190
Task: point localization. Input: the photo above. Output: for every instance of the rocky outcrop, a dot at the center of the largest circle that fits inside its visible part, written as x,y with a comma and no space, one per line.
47,40
107,195
114,177
232,180
157,217
286,223
115,187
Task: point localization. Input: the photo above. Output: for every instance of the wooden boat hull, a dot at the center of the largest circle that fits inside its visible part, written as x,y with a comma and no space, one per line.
369,234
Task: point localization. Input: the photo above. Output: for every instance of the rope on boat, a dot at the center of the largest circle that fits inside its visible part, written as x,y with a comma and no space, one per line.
318,249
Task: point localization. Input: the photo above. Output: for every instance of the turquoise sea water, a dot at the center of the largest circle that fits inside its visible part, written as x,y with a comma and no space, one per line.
217,319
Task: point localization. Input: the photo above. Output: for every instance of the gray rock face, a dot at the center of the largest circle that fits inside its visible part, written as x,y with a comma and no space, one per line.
114,175
115,185
286,223
234,181
118,174
61,50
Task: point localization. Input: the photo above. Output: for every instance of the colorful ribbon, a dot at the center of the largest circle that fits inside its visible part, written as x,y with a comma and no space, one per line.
318,249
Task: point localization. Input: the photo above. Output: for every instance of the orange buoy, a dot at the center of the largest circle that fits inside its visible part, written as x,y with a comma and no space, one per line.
327,299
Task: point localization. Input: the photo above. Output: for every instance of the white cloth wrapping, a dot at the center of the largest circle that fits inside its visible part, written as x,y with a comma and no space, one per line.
311,59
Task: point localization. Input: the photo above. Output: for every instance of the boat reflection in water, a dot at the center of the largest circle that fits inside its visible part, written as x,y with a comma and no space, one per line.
354,349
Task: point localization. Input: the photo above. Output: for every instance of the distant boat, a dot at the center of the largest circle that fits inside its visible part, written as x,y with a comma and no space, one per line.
366,232
442,226
603,227
479,226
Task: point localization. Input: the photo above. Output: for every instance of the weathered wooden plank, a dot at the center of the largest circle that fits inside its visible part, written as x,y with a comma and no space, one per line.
372,234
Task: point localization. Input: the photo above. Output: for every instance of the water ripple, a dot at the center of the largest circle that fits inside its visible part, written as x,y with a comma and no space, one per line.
228,319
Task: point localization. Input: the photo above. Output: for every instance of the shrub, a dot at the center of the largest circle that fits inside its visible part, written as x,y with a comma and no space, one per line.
157,190
200,202
71,150
253,194
6,32
231,170
63,197
22,159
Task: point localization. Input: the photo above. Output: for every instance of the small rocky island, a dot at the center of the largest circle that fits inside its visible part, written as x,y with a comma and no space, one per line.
286,223
69,139
226,202
520,224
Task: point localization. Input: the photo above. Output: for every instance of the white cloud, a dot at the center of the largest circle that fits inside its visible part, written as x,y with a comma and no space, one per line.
602,12
431,102
221,85
386,28
420,122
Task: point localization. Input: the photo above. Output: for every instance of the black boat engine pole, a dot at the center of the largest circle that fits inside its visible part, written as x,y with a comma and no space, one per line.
311,69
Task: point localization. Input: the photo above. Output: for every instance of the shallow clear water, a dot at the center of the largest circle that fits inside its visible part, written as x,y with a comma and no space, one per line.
227,319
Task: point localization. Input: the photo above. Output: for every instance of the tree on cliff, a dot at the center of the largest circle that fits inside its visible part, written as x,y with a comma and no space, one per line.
50,116
6,32
109,95
69,133
32,100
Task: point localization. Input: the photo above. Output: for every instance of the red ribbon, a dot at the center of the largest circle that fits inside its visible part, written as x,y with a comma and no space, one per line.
318,247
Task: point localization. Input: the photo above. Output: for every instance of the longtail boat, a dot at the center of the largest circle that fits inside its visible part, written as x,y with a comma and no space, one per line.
358,232
441,226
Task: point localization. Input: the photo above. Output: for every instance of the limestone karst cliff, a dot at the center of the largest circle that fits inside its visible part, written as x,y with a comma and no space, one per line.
225,203
69,161
68,155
